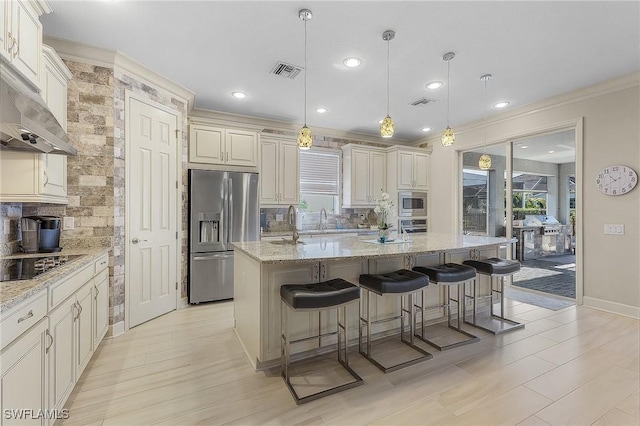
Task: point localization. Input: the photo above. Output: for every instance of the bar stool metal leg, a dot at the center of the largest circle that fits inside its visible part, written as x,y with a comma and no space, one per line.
496,324
406,308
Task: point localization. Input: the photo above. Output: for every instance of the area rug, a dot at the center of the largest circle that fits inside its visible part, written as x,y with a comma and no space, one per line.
544,301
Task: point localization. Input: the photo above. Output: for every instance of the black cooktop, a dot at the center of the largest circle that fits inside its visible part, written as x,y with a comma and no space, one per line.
26,268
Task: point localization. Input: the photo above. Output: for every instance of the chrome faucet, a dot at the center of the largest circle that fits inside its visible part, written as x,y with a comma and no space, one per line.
323,225
292,221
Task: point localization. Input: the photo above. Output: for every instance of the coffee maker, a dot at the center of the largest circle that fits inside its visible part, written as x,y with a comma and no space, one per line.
41,234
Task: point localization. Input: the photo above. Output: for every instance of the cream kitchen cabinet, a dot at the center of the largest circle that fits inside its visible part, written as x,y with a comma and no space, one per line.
38,178
21,37
100,306
408,170
279,172
43,177
23,380
364,174
216,145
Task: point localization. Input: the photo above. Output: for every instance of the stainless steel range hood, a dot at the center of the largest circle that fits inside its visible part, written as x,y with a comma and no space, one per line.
26,124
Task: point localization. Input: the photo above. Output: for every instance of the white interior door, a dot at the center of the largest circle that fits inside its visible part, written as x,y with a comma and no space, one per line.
152,199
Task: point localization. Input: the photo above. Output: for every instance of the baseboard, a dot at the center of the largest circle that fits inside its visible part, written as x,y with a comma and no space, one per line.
613,307
183,303
116,329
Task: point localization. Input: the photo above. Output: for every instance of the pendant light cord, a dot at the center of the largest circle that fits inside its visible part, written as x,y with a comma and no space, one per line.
484,149
448,90
305,72
388,79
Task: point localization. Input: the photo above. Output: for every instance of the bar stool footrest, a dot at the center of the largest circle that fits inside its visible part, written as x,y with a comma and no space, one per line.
495,324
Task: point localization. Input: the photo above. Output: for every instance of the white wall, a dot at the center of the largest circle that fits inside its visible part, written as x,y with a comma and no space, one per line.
610,115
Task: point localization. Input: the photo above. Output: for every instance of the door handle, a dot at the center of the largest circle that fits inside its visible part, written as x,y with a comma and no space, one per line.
51,342
136,240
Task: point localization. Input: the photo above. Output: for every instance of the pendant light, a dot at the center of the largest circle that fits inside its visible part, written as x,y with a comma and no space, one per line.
485,160
448,137
387,127
305,138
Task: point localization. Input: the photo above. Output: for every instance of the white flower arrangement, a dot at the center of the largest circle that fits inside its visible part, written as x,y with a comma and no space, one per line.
383,210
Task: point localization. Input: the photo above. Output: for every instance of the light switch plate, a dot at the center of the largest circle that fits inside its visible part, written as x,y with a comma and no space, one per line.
279,217
613,229
7,226
68,223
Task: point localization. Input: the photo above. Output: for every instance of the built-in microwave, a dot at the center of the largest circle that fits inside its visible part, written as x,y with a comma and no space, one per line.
411,204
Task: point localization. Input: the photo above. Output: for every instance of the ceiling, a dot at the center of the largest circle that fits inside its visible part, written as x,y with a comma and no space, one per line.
533,49
556,148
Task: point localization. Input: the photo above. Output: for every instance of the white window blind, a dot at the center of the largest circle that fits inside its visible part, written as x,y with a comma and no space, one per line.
320,172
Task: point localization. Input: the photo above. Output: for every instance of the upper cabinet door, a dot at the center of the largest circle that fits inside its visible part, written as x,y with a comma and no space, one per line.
5,40
289,167
420,172
378,174
216,145
24,38
268,172
241,148
360,176
405,170
206,145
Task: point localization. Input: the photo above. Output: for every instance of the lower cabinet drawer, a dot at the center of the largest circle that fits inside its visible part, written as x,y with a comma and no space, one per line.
67,286
20,318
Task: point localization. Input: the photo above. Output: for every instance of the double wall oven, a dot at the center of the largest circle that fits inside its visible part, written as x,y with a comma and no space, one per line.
412,211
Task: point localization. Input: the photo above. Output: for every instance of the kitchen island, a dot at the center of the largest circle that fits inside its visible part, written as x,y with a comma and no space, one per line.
261,267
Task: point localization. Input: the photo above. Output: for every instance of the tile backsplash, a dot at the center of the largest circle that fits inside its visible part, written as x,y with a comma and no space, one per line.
276,219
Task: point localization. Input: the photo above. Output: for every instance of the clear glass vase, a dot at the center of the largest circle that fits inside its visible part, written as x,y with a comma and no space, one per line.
383,234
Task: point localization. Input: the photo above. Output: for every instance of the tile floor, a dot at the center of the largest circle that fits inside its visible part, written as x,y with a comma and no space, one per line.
575,366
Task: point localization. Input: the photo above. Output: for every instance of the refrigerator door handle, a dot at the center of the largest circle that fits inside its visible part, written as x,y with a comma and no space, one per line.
230,205
212,256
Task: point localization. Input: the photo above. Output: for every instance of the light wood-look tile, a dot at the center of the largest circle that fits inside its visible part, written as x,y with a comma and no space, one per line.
576,366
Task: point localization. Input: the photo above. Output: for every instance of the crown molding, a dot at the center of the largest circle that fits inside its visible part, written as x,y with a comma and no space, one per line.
600,89
42,7
57,60
79,52
226,119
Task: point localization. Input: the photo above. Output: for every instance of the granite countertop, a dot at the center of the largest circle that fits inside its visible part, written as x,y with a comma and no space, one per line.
14,292
328,248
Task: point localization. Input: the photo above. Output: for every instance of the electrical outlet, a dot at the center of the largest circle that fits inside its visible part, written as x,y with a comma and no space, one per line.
7,226
279,217
68,223
361,216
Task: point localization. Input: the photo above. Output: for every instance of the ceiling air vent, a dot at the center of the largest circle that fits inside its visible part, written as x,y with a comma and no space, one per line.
423,101
286,70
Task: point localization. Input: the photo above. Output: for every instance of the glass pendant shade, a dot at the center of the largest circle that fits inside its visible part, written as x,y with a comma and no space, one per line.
485,162
448,137
387,127
305,138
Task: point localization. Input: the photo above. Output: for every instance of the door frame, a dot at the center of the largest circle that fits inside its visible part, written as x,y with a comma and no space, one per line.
129,95
577,125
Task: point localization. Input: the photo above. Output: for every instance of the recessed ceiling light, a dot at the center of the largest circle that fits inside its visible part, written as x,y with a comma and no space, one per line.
524,146
501,104
352,62
321,110
434,85
551,152
426,129
239,95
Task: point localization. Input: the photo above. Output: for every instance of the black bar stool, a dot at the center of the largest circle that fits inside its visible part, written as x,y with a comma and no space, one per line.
494,268
333,294
448,275
403,283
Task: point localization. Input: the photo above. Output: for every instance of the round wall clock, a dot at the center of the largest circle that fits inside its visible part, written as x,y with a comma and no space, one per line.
616,180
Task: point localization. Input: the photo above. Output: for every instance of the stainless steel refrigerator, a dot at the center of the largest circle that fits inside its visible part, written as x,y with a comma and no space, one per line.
223,208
